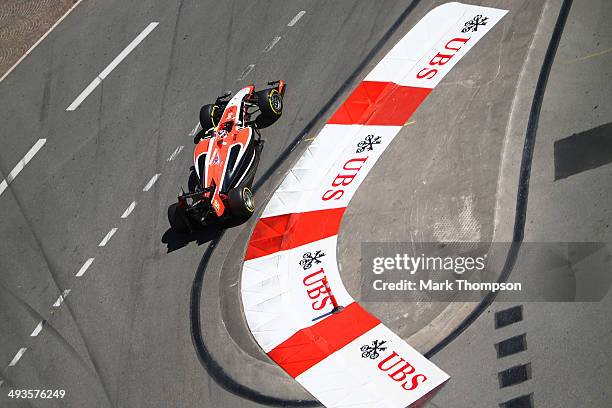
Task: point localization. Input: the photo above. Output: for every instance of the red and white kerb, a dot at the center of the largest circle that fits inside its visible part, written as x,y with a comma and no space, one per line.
348,358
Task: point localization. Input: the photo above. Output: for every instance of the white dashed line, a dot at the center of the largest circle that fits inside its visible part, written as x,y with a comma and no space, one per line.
84,268
129,210
107,238
246,71
151,182
195,130
296,18
22,163
17,357
38,329
61,298
271,44
102,75
177,150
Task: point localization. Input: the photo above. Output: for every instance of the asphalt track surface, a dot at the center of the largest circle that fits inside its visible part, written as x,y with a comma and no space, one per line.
124,335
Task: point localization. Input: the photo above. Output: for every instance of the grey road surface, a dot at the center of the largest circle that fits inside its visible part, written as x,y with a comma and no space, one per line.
122,337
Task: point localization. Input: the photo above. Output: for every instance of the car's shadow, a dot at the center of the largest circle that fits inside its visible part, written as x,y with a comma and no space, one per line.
175,240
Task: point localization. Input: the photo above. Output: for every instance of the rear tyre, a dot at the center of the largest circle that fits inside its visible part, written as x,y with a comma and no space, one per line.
177,217
193,182
241,202
270,103
209,116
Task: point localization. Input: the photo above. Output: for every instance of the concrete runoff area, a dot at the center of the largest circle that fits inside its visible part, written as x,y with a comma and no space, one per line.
122,336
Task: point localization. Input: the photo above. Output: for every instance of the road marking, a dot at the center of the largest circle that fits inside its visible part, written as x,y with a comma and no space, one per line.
176,152
84,268
246,71
17,357
28,52
296,18
38,328
107,237
106,71
195,130
151,182
61,298
22,163
129,210
596,54
271,44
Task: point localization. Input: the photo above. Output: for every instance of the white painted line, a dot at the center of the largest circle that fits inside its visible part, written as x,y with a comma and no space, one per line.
106,71
17,357
107,237
175,153
151,182
246,71
38,329
129,210
84,268
22,163
271,44
296,18
195,130
61,298
28,52
79,99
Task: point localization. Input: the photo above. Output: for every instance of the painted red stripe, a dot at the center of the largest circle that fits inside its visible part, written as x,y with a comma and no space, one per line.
282,232
312,345
379,103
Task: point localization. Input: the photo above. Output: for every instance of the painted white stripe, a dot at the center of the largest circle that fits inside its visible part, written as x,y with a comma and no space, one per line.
296,18
89,89
129,210
195,130
246,71
38,329
84,268
61,298
17,357
114,63
175,153
107,237
21,165
271,44
28,52
151,182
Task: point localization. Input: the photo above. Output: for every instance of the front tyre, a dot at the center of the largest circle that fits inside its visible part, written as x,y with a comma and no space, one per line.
177,217
270,103
210,115
241,202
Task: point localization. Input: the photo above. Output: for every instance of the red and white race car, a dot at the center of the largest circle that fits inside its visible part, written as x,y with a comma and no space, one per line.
226,157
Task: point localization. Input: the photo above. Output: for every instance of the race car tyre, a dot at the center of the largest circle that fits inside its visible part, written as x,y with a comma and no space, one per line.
178,219
209,116
241,202
270,103
193,181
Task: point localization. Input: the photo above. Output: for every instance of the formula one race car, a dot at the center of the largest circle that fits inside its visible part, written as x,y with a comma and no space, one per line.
226,157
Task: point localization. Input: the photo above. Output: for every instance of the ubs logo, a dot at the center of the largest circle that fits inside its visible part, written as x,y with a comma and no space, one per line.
393,365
